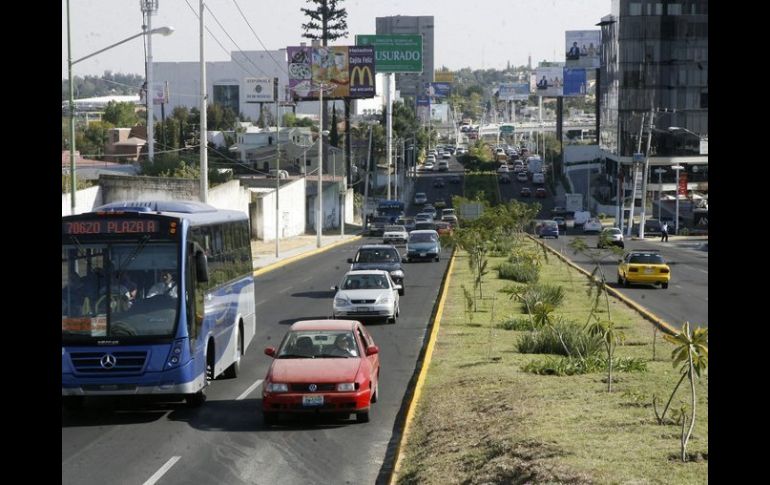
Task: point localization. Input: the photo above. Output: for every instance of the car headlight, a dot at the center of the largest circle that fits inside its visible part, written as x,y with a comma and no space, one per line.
277,387
397,274
341,302
388,298
346,387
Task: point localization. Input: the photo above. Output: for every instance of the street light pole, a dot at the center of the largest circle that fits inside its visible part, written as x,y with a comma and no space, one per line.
319,218
677,168
70,63
644,176
660,171
277,164
202,138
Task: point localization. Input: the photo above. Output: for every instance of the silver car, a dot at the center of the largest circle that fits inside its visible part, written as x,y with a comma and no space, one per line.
366,294
610,236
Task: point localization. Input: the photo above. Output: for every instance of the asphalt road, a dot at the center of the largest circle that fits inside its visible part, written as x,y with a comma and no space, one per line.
686,298
132,440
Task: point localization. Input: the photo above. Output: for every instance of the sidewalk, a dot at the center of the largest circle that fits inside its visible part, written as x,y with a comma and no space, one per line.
263,252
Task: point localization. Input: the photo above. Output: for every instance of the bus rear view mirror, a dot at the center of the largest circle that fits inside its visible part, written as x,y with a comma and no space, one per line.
201,267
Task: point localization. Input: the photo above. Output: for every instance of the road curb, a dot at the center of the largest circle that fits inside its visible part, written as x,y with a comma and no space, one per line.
423,370
645,313
297,257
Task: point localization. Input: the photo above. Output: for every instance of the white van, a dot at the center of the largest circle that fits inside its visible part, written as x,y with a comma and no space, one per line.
581,217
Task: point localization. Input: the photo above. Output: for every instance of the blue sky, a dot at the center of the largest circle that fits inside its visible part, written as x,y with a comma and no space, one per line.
468,33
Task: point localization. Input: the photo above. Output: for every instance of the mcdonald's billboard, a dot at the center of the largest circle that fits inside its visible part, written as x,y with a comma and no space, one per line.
362,83
343,71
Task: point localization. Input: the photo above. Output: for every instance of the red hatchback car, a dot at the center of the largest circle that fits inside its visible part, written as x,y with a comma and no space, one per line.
322,366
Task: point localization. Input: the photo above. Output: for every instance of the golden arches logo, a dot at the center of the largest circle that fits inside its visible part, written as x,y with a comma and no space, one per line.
362,74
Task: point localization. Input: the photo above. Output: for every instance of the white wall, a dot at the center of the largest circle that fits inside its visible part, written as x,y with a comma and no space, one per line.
292,211
230,195
85,200
580,153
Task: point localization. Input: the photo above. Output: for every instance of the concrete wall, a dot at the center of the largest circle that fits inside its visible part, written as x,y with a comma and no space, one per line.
230,195
292,216
580,153
85,200
148,188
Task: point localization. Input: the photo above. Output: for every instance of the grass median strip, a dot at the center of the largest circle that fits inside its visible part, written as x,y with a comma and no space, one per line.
482,418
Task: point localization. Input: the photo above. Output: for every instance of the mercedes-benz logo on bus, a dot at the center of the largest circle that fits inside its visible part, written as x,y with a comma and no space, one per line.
108,361
312,387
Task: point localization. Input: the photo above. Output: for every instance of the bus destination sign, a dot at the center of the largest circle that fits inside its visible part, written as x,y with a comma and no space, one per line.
115,226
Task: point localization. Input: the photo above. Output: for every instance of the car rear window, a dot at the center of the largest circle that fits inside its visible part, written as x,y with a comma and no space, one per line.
646,259
425,237
376,255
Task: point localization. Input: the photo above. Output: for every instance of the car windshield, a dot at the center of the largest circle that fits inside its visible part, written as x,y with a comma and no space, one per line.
612,231
646,259
376,255
395,228
425,237
365,282
315,344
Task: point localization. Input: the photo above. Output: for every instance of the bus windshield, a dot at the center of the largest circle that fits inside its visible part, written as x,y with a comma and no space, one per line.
119,289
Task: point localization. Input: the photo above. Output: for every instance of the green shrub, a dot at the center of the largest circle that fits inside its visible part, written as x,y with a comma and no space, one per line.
501,247
516,323
523,273
567,366
553,295
547,341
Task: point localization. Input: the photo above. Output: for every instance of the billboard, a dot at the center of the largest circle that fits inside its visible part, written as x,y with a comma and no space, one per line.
258,90
513,92
423,101
344,71
583,48
575,82
444,76
437,90
550,81
395,53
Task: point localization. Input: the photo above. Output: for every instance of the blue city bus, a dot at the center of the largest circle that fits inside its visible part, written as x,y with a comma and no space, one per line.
391,208
158,298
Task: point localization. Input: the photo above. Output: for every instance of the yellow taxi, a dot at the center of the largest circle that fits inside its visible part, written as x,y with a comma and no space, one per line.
644,267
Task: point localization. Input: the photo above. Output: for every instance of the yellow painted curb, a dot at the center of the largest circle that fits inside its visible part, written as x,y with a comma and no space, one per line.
647,314
284,262
423,370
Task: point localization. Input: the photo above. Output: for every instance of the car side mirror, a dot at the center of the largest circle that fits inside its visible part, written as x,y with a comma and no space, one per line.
404,260
335,288
270,351
372,349
397,287
350,260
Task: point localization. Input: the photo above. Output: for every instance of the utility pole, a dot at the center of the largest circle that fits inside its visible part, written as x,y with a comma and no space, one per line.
650,126
149,8
366,182
389,123
277,164
204,155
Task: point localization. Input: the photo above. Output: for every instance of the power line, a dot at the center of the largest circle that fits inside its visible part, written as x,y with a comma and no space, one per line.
220,44
280,66
233,41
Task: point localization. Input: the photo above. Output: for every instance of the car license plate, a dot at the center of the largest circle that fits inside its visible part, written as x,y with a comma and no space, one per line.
312,401
362,309
648,270
422,255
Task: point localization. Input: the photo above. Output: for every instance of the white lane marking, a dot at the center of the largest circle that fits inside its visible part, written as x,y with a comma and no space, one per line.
285,289
249,390
703,271
162,470
306,279
260,302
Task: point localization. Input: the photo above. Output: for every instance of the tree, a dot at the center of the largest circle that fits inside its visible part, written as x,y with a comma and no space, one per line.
692,353
120,114
327,21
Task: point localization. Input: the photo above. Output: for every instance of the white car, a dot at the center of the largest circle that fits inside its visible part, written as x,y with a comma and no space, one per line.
610,236
592,225
366,294
420,198
395,235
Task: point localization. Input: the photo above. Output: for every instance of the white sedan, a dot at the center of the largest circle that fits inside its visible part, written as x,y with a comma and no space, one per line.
592,225
366,294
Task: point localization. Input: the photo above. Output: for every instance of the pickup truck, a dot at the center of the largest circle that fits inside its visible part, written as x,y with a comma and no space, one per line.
395,235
